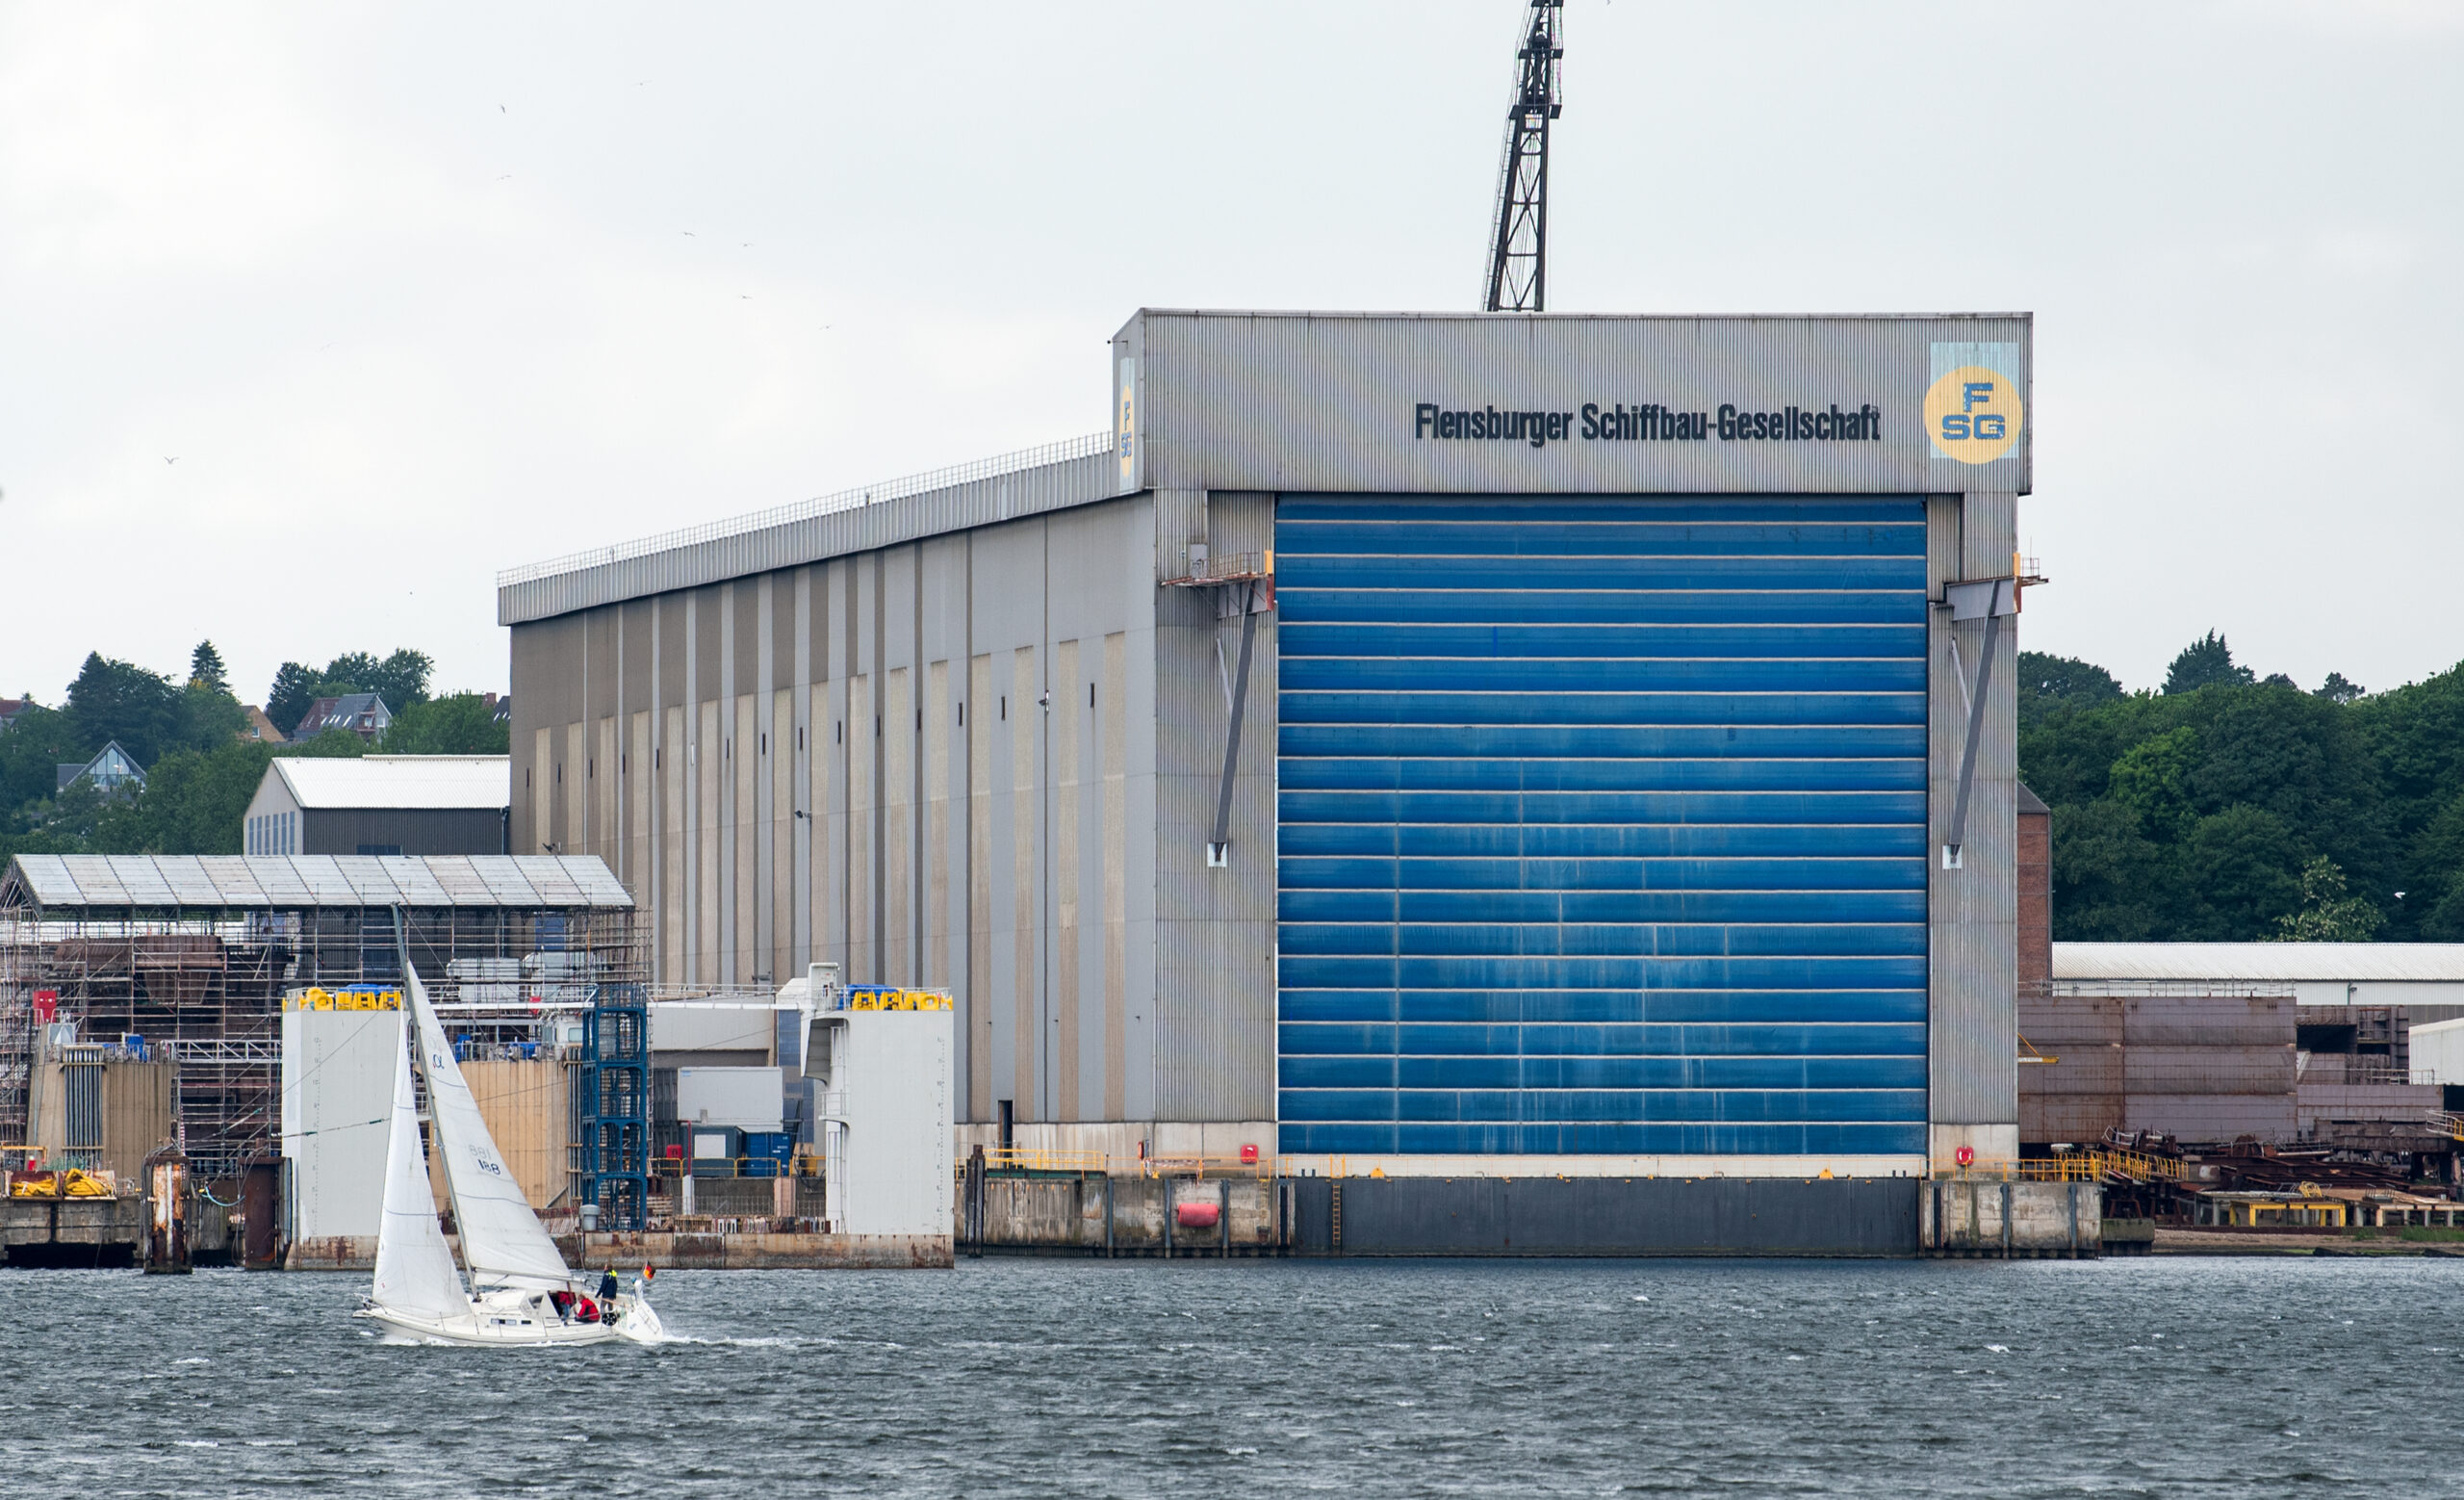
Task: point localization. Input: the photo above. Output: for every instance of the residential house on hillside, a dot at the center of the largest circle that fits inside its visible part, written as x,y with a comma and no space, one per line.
112,769
363,714
259,730
11,707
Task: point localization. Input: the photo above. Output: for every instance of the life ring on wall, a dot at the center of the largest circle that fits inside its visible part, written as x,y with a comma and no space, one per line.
1965,1155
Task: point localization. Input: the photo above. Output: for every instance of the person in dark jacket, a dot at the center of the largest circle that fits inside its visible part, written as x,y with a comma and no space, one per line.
607,1287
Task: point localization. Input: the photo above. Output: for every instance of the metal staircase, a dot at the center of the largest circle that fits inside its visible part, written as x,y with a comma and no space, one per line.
611,1107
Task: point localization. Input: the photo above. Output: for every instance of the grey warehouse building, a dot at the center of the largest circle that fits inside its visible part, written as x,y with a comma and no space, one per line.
1452,747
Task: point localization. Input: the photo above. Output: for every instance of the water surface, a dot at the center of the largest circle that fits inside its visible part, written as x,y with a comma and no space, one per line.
2148,1376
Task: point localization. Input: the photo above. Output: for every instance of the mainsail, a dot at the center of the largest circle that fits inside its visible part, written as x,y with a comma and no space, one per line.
502,1242
414,1270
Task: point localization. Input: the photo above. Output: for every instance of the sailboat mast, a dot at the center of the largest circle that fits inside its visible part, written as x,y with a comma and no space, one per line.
412,1000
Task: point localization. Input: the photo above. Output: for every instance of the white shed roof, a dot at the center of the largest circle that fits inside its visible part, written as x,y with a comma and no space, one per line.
2384,963
67,883
396,780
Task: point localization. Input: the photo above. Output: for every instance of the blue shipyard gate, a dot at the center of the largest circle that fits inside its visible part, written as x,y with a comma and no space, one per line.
1602,825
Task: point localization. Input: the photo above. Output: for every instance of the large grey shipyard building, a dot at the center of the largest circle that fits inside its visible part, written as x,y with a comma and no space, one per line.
1443,747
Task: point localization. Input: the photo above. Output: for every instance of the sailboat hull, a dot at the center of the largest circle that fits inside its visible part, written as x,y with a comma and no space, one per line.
495,1325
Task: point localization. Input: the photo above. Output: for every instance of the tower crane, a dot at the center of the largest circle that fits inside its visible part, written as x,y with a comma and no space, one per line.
1517,259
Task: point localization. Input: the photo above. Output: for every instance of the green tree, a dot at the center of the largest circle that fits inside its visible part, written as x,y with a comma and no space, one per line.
2109,882
31,751
71,814
205,665
37,840
332,742
457,724
195,802
2327,914
2048,683
118,700
2153,778
400,679
2414,739
2238,872
2205,662
209,717
2336,689
293,689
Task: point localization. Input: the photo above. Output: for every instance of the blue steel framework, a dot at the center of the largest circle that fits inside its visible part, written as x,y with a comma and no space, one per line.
1602,824
611,1104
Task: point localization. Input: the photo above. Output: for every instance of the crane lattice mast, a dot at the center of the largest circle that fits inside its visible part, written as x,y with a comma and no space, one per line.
1518,261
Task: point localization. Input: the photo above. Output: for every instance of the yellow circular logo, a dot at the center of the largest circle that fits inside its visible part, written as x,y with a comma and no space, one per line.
1972,414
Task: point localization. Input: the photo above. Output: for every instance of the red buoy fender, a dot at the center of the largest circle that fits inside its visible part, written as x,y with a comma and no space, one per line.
1965,1155
1196,1216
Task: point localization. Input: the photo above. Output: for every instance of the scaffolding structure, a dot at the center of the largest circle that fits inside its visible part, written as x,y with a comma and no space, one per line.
611,1108
188,958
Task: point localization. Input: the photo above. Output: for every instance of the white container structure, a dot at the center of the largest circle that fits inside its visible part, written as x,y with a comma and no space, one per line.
886,1120
748,1099
2438,1053
337,1085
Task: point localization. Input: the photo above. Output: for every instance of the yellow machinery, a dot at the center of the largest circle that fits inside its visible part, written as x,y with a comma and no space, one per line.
315,999
71,1182
884,997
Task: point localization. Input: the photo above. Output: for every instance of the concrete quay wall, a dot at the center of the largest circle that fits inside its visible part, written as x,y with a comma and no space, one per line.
1093,1214
73,1231
732,1249
1539,1216
2011,1219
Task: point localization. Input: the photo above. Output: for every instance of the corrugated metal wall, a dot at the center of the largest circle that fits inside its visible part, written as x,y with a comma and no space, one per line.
1215,927
932,764
1602,824
1974,911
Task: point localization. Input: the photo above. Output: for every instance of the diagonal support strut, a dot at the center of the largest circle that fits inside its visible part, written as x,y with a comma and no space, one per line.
1967,755
1219,849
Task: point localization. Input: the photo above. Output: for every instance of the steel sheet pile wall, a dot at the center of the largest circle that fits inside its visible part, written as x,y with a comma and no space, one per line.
1602,825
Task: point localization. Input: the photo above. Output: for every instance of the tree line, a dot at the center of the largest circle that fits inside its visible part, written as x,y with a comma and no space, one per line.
191,737
2226,807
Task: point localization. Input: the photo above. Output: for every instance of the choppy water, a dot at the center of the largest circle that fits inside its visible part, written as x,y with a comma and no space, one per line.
2146,1377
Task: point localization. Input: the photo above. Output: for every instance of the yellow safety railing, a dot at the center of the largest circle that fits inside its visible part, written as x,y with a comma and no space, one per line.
2137,1166
799,1165
1029,1158
1025,1158
1262,1166
2450,1125
2103,1164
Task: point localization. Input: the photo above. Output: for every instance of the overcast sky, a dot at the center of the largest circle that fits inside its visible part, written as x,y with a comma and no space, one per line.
416,293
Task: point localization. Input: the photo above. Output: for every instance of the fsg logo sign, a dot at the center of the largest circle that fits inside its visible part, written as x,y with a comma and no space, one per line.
1972,409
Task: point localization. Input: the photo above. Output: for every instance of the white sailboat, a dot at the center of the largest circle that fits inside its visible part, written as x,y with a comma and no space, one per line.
519,1291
